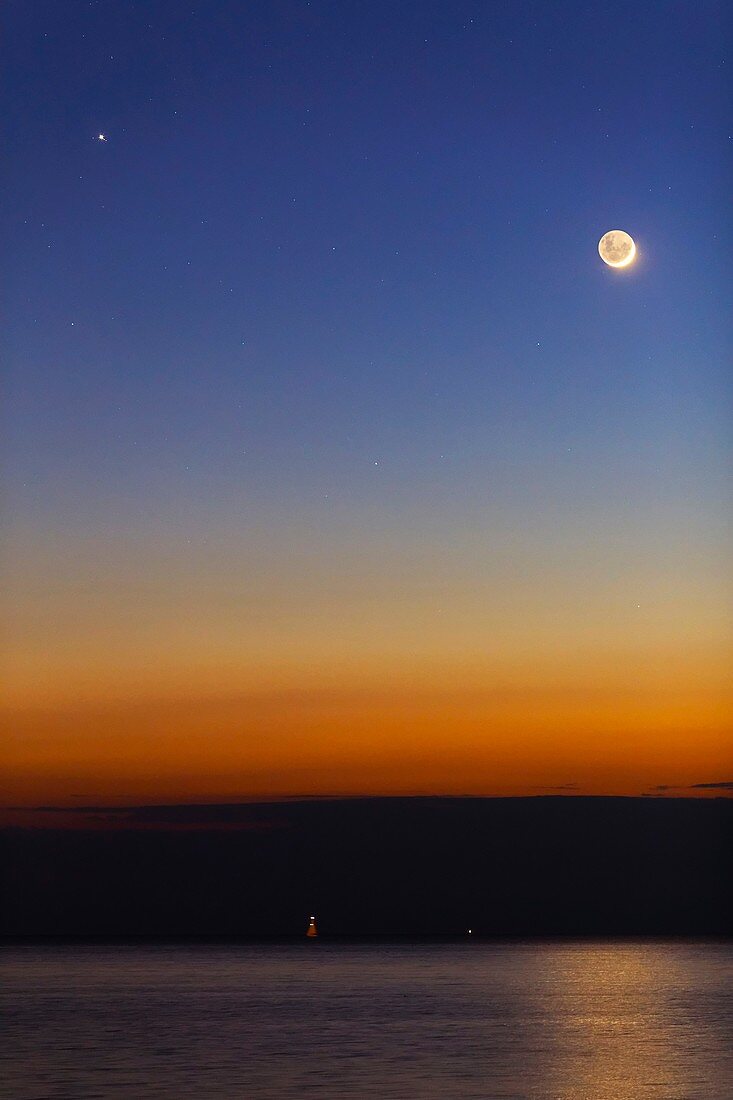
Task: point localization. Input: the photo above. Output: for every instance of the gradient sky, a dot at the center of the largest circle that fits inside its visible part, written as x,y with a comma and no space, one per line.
336,459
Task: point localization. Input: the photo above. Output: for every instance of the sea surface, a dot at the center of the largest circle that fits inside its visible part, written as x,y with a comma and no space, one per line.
597,1021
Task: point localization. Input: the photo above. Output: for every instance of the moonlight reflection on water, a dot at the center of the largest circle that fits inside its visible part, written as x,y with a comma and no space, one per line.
642,1021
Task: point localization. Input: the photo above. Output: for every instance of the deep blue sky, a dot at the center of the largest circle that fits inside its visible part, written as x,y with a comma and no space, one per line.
356,232
332,283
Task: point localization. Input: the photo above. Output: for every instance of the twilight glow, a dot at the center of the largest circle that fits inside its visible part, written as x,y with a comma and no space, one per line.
323,475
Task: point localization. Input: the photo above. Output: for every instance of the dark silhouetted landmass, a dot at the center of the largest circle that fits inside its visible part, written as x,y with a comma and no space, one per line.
540,866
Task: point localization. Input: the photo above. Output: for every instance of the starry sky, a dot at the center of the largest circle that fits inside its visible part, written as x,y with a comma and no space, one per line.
336,459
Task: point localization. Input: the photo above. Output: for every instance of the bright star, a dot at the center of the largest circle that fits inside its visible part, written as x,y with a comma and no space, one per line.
101,137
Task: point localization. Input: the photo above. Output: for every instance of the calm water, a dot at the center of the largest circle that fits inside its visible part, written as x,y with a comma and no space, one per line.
590,1021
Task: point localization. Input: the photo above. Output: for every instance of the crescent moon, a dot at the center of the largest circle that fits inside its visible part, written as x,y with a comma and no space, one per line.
616,248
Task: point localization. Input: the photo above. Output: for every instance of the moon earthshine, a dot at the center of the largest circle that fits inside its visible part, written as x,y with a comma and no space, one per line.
616,248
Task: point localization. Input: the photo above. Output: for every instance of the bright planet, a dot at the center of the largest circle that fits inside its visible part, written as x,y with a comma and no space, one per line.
616,248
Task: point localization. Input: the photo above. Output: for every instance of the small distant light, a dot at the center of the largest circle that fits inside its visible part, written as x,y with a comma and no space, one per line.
101,137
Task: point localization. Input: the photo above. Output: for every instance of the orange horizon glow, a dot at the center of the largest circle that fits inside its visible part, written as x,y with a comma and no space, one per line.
375,661
624,728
